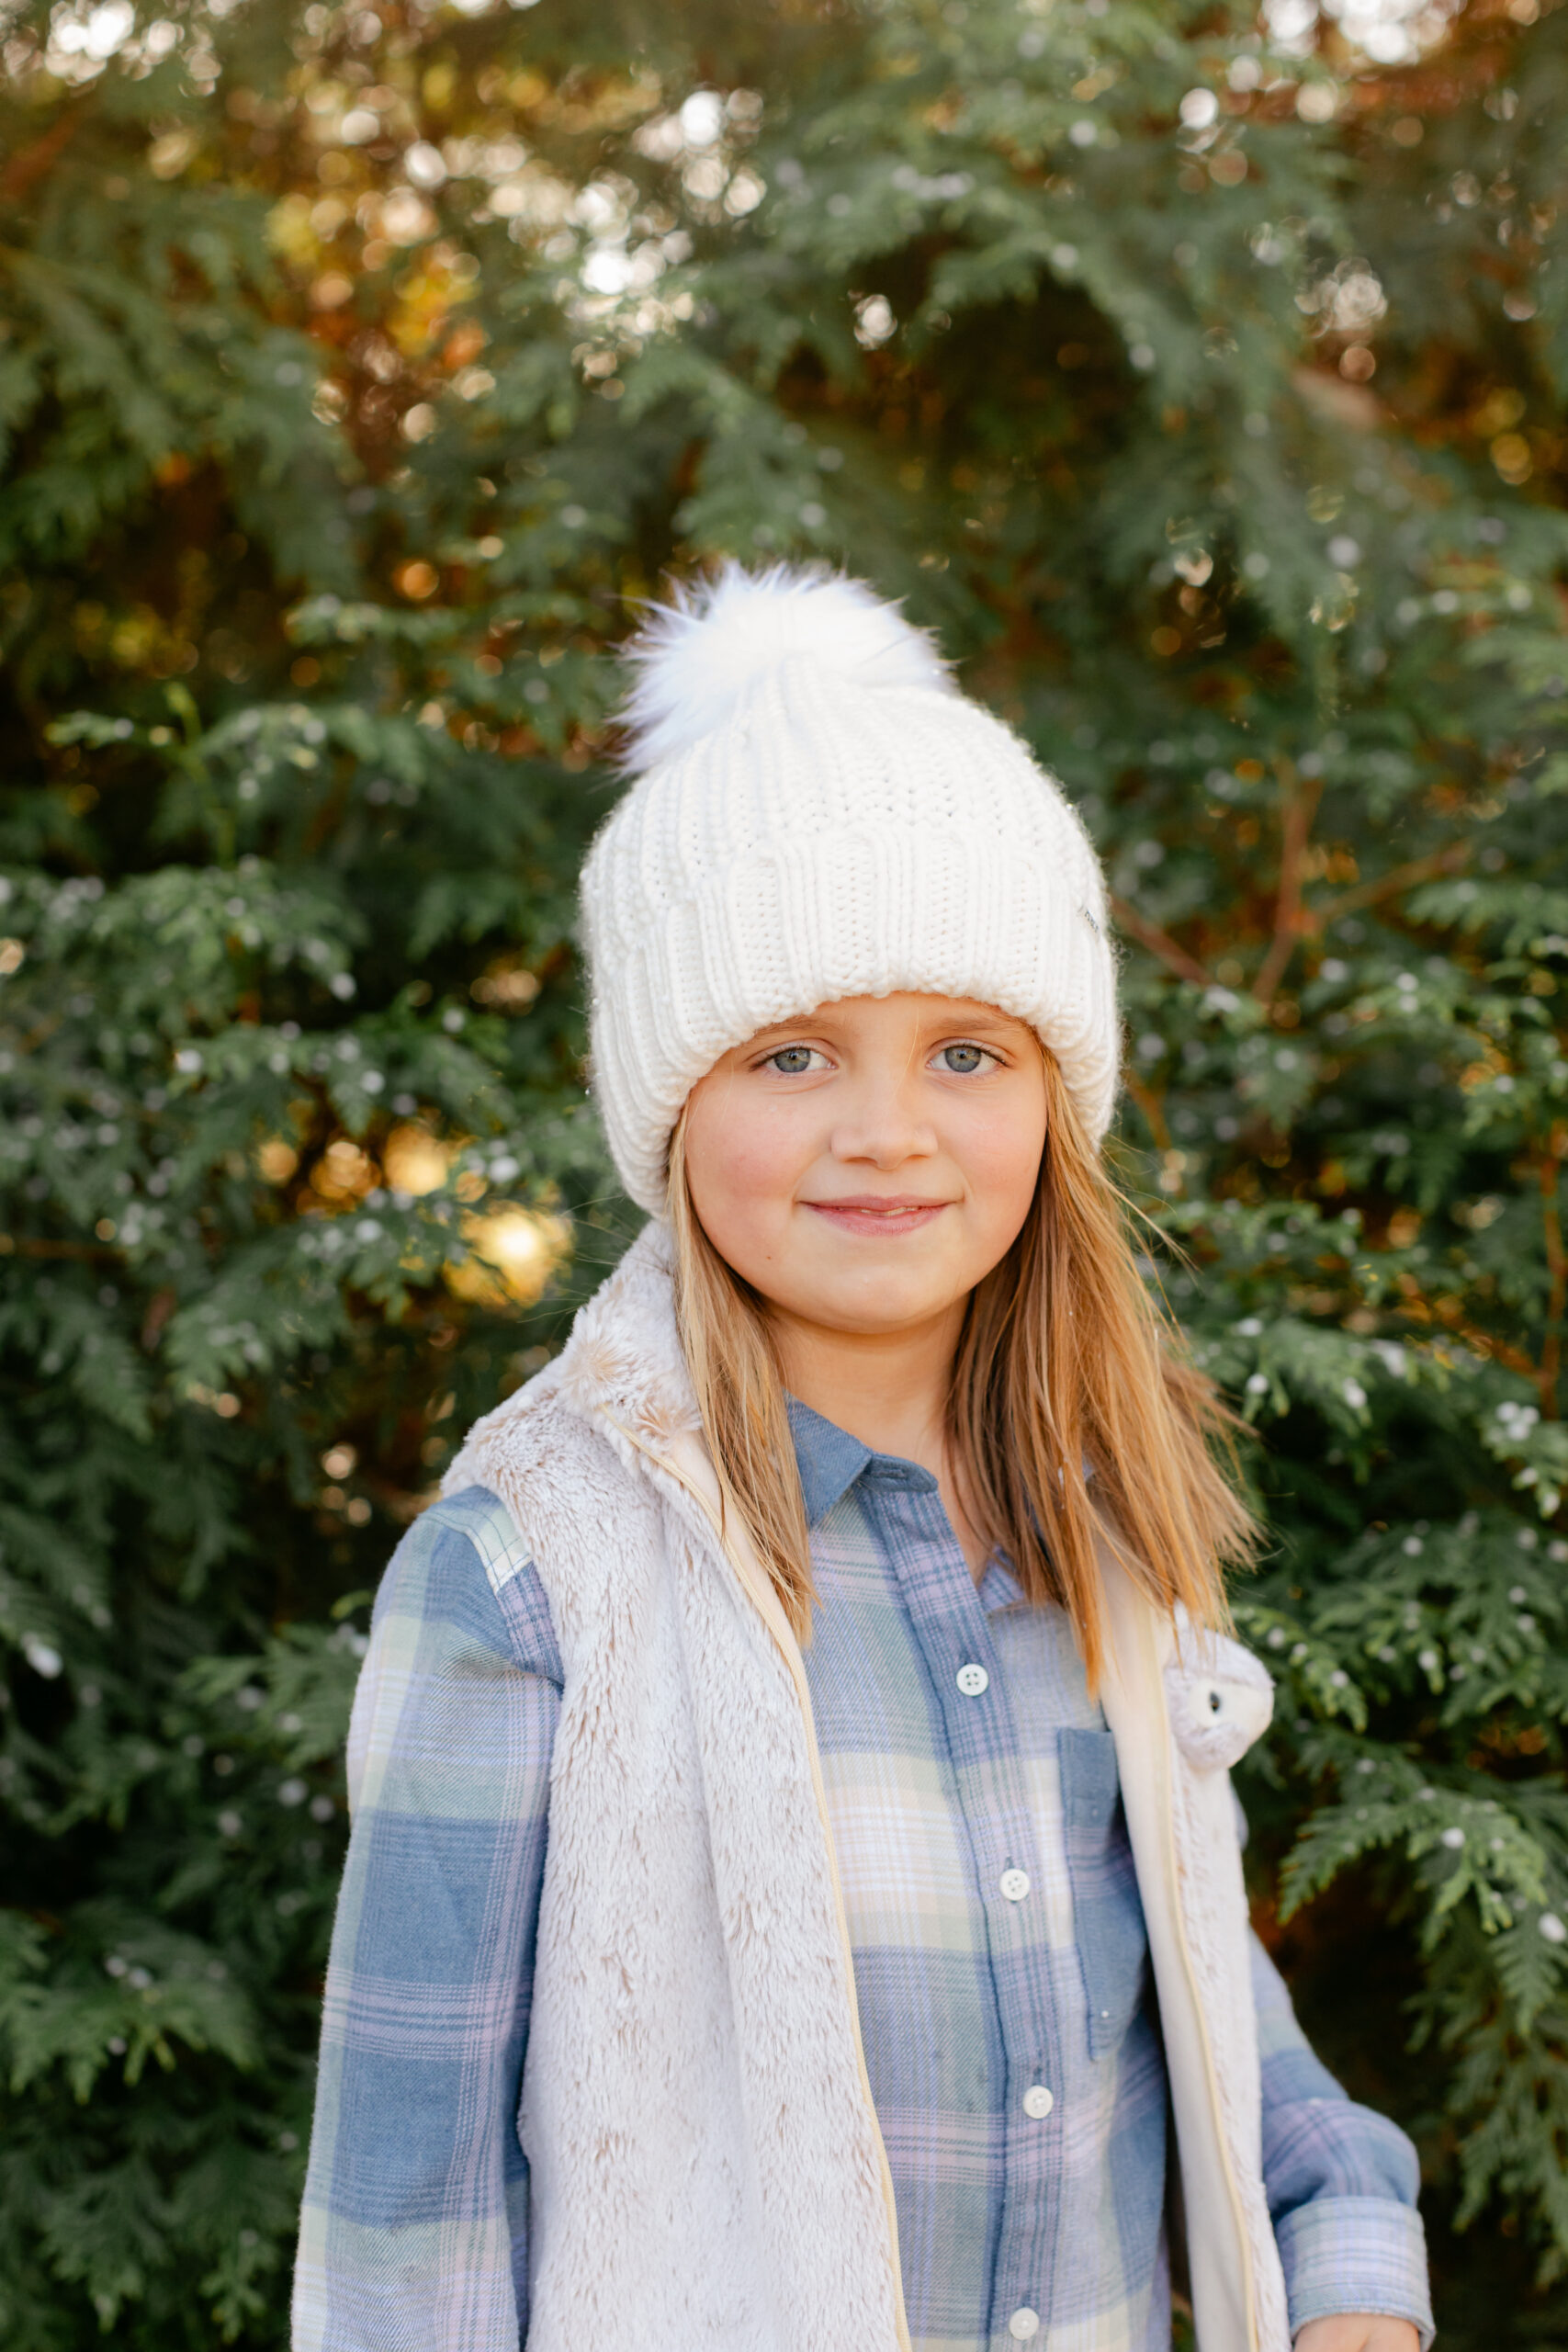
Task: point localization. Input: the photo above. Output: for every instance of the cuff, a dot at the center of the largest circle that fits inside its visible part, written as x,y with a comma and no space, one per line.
1356,2254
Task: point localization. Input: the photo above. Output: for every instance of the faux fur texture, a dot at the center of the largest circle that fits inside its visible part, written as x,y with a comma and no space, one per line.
1220,1700
707,2168
697,657
1173,1748
706,2165
1220,1697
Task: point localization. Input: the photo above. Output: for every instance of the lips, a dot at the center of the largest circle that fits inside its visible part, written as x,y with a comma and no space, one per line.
874,1218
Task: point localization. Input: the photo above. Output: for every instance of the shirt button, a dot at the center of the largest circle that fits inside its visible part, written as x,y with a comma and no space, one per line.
1024,2324
1038,2102
972,1681
1014,1884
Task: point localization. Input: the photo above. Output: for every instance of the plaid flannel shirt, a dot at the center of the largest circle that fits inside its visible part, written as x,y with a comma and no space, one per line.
1016,2071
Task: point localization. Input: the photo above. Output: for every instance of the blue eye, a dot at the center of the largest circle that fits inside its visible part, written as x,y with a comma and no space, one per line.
793,1061
964,1060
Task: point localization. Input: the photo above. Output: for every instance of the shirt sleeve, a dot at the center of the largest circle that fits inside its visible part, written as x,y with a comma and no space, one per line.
1342,2181
414,2224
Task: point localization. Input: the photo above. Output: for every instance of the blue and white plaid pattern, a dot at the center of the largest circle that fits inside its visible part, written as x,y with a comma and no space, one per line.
414,2228
414,2231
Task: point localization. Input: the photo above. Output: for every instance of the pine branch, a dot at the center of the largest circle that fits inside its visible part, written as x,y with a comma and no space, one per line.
1170,952
1300,797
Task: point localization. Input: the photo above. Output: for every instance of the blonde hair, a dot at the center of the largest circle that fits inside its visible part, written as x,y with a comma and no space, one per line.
1071,1414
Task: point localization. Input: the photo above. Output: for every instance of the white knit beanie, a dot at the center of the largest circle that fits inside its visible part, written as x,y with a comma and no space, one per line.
817,813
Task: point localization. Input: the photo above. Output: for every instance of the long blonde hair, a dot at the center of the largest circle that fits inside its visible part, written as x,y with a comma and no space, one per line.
1071,1414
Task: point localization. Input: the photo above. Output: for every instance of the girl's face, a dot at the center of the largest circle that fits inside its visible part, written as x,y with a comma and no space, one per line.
864,1166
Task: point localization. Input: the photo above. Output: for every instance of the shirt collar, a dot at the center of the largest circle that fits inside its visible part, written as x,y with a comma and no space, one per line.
830,1461
829,1458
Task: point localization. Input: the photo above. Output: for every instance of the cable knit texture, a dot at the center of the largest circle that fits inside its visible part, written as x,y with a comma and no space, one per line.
706,2164
820,814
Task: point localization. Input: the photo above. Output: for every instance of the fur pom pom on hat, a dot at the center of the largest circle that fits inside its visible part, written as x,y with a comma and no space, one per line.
698,656
817,813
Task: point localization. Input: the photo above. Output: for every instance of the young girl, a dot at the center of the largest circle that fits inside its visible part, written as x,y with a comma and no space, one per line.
794,1863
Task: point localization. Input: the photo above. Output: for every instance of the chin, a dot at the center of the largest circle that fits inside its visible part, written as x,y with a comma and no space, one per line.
876,1307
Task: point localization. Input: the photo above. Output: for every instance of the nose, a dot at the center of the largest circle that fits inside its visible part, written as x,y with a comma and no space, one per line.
881,1125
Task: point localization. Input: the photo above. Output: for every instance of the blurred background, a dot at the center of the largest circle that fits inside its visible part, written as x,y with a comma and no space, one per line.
1198,373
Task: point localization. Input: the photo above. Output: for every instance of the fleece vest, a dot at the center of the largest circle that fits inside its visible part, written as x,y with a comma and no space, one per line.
707,2167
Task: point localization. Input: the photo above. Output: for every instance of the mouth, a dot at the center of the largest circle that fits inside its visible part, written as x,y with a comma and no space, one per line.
872,1215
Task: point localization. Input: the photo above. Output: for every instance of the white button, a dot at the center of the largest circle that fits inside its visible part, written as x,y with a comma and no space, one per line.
1038,2102
1014,1884
972,1681
1024,2324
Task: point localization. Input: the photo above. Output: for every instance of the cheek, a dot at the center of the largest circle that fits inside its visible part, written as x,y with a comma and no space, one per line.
1002,1162
744,1161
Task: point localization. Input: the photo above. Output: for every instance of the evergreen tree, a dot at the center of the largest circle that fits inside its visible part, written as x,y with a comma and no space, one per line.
1200,377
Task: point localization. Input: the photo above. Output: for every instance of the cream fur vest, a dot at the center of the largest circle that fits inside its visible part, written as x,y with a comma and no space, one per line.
706,2163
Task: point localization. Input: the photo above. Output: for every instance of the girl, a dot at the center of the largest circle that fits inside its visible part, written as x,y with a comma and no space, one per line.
794,1866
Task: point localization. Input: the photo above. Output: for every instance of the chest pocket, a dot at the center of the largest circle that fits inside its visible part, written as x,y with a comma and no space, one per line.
1108,1917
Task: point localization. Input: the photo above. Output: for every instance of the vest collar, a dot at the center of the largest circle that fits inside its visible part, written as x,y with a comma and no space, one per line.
623,1362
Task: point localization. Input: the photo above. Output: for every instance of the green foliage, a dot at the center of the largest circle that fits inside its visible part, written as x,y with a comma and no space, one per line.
360,369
